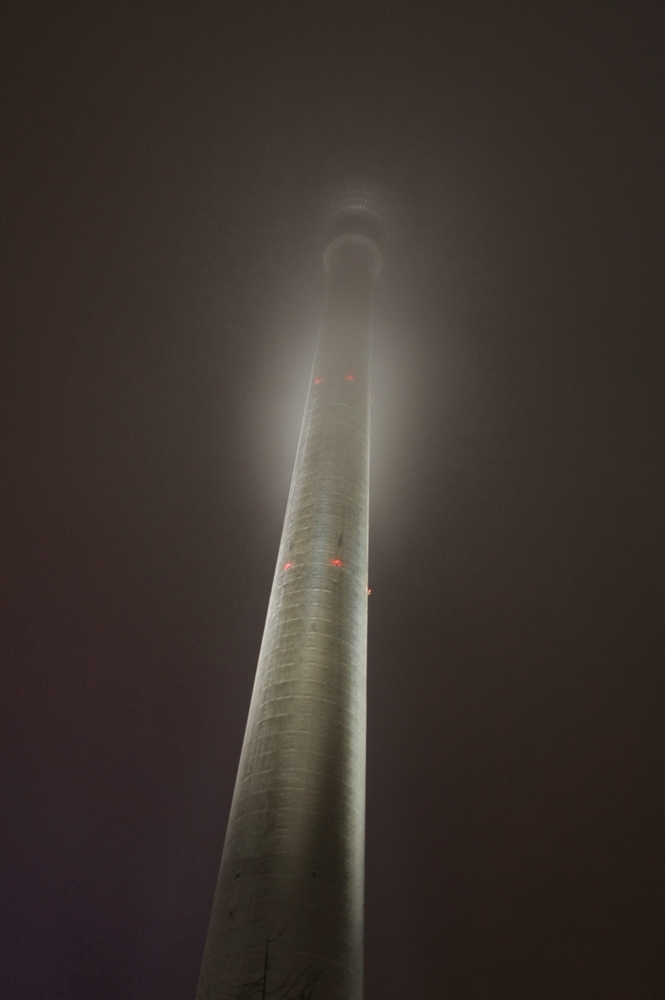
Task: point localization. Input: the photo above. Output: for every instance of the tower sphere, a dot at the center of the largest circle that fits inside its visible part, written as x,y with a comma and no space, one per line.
358,240
355,213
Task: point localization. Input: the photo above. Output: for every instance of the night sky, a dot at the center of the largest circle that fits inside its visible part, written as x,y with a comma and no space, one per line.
162,168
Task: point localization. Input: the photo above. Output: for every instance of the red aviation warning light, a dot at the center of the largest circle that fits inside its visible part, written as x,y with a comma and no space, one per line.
350,378
318,380
336,562
288,565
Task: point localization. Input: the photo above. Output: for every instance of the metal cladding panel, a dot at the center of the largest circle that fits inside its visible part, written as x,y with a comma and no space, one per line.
287,919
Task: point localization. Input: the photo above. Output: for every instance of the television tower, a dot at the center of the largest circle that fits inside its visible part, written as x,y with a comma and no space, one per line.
287,918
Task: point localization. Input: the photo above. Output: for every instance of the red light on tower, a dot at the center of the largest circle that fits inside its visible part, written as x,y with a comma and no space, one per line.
288,565
350,378
336,562
318,381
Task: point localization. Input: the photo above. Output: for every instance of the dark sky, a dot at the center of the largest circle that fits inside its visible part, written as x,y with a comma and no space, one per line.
162,264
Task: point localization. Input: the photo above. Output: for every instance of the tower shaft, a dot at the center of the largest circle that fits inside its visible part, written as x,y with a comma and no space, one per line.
287,918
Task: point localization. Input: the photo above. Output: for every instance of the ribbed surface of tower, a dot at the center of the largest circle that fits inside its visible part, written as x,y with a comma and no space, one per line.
287,920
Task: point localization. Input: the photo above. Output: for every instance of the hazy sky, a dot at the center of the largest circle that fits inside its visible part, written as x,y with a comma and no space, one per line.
164,287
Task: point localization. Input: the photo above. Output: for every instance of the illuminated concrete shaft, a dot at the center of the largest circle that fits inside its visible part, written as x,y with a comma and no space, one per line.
287,919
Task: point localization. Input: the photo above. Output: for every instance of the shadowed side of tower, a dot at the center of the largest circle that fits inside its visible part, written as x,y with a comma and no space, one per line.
287,918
